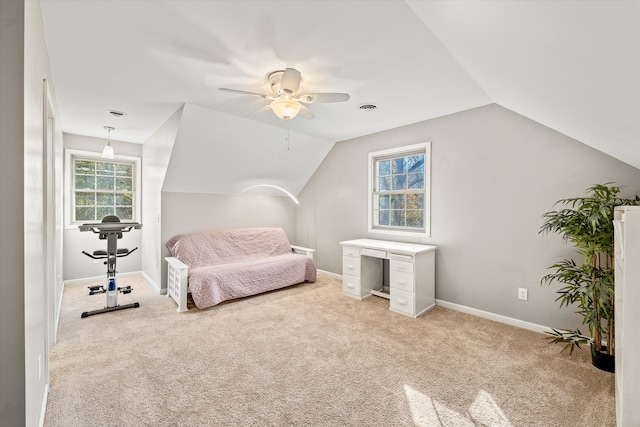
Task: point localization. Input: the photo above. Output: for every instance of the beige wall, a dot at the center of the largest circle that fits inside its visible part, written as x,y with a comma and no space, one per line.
494,173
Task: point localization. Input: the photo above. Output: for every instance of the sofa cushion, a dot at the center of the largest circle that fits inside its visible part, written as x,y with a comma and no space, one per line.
213,284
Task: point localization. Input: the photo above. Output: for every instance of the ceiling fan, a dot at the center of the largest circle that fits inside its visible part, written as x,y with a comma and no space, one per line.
286,103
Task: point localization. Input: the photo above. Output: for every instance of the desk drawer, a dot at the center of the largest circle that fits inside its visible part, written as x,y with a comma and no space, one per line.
350,251
404,266
351,266
351,285
401,280
403,302
375,253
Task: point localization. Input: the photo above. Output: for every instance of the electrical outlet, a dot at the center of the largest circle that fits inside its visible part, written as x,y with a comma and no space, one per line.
522,294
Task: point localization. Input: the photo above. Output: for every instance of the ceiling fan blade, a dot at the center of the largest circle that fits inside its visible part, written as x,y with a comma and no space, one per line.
317,98
290,81
305,113
265,108
242,92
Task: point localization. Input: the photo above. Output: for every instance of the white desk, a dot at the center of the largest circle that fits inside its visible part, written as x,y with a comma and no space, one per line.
411,273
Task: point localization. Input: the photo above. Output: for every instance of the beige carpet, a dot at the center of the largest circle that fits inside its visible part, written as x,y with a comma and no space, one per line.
309,356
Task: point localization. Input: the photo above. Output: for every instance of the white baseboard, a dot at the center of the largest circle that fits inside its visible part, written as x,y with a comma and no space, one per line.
492,316
57,325
153,284
330,274
473,311
96,278
43,409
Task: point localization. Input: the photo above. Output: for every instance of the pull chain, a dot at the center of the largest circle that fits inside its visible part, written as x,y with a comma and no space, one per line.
286,125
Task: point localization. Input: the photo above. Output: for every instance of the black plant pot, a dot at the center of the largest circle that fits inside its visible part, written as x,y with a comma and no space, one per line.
602,360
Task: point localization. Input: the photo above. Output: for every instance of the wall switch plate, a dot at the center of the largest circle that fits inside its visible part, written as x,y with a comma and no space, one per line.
522,293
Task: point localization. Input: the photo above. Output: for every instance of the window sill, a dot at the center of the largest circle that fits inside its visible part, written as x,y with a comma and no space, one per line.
408,233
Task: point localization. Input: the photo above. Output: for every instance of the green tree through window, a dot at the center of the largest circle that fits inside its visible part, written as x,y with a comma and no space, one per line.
102,188
399,196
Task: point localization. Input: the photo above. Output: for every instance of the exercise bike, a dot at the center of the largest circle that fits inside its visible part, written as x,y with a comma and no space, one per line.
110,229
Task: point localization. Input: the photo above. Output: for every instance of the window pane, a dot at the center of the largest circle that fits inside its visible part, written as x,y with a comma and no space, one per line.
124,213
105,169
383,217
384,168
399,165
105,183
415,219
415,201
124,199
384,184
415,163
85,214
396,201
102,188
85,182
85,167
399,182
383,202
399,197
124,170
104,199
416,180
103,211
85,199
124,184
397,219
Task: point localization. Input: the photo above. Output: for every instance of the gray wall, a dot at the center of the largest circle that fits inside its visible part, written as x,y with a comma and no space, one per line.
192,212
12,283
494,173
25,254
76,265
156,153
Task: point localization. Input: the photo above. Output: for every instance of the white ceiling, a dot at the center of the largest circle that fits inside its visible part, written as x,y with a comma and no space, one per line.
573,66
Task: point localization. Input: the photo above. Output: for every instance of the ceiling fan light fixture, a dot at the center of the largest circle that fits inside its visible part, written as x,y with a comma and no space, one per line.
285,108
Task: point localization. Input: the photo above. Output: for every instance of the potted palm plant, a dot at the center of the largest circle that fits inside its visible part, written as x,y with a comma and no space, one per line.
587,222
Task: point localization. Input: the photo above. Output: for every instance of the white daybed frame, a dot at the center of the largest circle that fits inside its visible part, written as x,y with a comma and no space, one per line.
177,273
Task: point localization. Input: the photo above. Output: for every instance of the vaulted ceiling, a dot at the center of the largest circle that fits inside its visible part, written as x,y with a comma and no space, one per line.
572,66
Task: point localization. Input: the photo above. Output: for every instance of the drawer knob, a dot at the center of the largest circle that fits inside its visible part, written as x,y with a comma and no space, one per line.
401,301
402,282
350,266
350,285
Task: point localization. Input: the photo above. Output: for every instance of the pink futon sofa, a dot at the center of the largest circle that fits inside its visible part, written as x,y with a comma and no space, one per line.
223,265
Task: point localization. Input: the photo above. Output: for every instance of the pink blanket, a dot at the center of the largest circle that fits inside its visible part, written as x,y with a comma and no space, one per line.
231,264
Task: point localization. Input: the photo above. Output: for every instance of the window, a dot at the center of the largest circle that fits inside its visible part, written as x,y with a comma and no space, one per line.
98,187
399,196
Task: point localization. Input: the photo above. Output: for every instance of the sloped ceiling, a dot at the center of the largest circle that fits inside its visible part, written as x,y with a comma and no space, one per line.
216,152
572,66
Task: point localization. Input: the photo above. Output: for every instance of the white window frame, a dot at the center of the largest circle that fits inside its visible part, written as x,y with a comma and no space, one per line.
70,154
424,147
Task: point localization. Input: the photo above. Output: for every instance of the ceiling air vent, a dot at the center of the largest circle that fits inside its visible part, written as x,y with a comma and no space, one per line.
368,107
117,114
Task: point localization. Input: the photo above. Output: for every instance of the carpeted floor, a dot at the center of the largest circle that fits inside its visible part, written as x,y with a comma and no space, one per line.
309,356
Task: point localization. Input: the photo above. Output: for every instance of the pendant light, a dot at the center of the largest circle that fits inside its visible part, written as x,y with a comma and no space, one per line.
107,152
